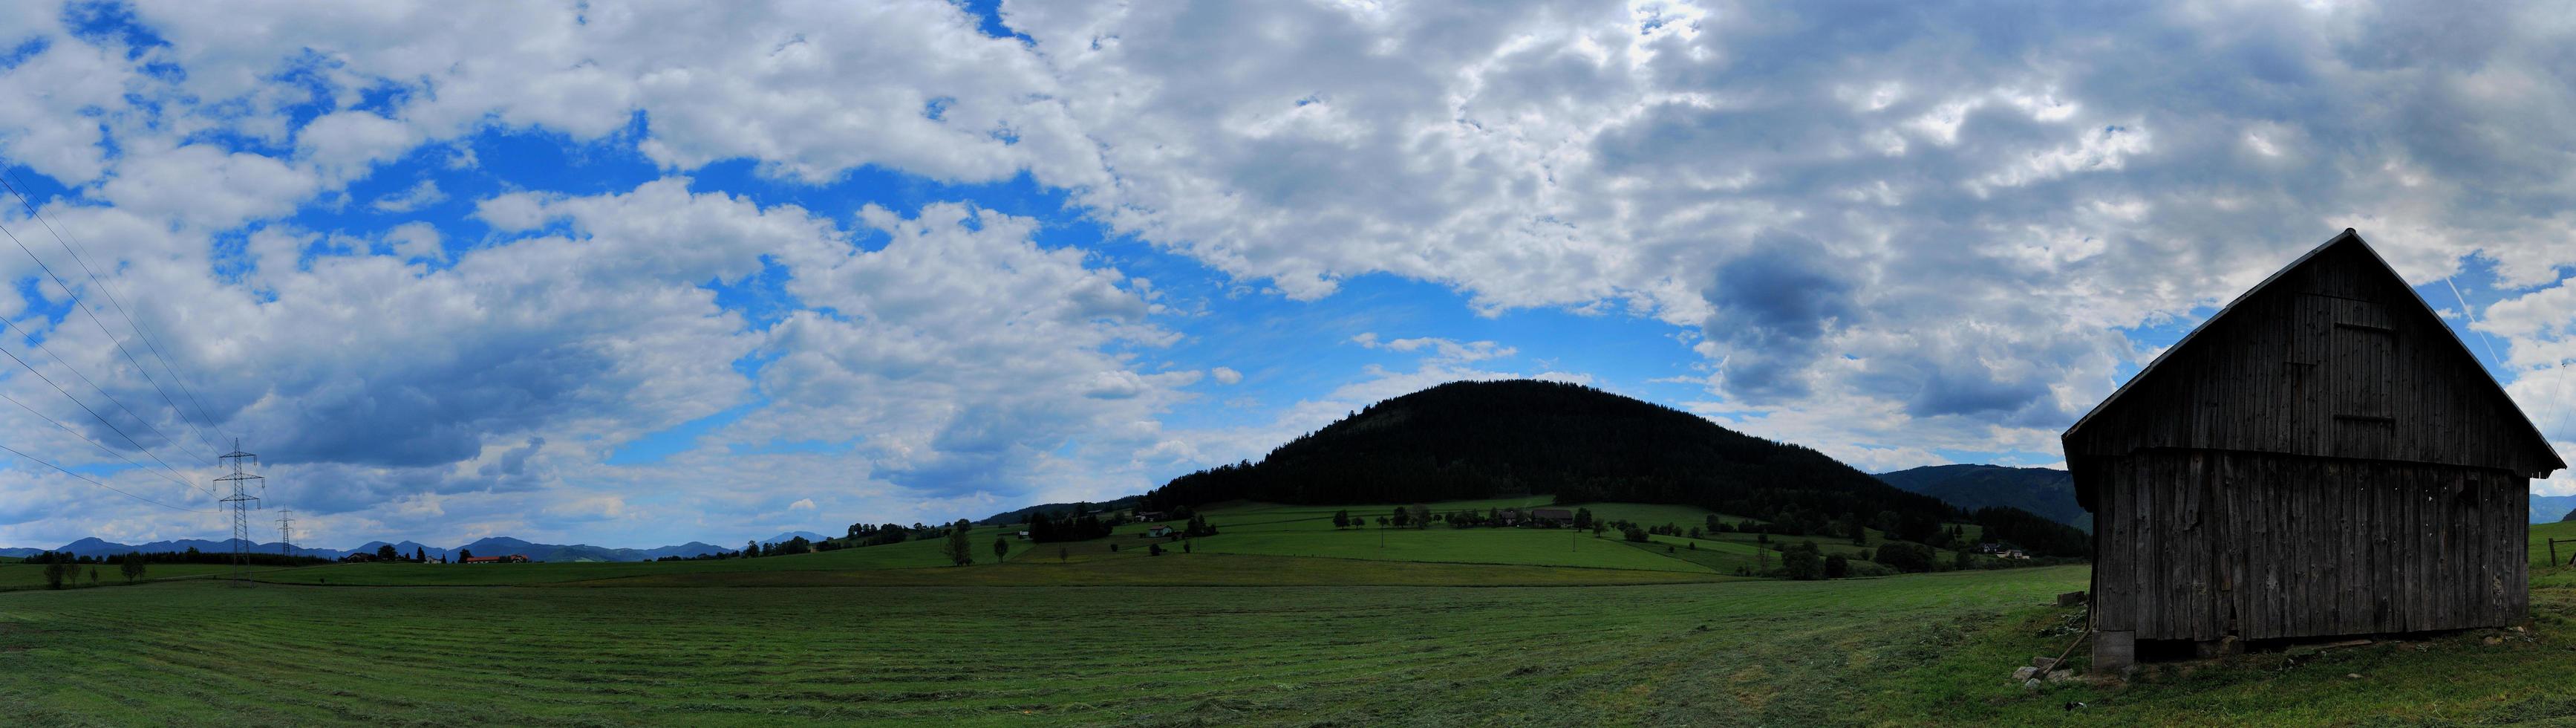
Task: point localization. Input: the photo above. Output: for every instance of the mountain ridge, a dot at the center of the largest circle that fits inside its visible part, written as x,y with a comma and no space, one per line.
2048,492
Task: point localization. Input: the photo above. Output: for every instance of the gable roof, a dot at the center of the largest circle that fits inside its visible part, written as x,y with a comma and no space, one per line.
2349,238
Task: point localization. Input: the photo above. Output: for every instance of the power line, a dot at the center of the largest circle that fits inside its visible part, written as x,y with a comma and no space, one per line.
39,343
10,179
93,316
104,448
94,481
102,419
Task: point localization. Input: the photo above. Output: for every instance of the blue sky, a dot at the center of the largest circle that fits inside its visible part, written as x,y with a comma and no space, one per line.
634,276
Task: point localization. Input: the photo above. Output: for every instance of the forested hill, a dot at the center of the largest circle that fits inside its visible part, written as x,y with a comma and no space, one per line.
2048,492
1466,440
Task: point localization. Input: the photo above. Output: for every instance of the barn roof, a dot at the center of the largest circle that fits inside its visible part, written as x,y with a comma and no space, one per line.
2539,443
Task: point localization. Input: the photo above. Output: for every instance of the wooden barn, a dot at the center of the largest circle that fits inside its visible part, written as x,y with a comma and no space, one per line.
2324,457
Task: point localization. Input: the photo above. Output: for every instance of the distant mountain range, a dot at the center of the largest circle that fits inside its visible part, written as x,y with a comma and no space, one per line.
792,535
2051,493
2045,491
2552,508
495,546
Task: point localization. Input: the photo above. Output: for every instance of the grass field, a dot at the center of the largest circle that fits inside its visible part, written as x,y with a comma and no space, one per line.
15,575
1734,653
1216,637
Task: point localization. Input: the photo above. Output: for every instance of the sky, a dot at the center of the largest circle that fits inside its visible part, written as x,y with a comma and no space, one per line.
635,274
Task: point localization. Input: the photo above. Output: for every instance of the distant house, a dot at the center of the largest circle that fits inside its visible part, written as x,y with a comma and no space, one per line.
1510,517
1160,531
510,559
1559,516
1024,535
358,558
1153,516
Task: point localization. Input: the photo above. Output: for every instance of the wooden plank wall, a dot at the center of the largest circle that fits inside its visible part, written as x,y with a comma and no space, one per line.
2199,544
2335,359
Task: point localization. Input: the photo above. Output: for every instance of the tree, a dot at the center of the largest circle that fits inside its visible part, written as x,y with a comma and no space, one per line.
1801,562
1859,531
463,554
420,554
386,552
1837,567
1905,557
1964,561
960,550
93,576
1001,548
1153,549
1403,515
55,571
132,567
750,549
1381,521
1635,534
1185,547
1061,552
1583,519
1421,516
1341,519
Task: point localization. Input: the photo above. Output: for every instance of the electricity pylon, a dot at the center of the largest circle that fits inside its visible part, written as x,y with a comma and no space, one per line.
241,501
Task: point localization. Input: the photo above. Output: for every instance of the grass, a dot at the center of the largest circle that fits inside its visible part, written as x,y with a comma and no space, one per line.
1714,653
15,575
879,636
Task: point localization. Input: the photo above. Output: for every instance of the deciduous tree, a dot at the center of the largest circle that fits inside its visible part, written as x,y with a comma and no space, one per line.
960,550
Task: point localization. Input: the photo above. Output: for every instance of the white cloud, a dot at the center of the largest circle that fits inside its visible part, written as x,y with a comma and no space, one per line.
417,196
1875,239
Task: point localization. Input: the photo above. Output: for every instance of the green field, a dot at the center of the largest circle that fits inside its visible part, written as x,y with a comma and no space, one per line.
1518,633
28,576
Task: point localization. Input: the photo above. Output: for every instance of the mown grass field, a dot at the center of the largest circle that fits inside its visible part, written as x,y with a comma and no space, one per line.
16,575
1087,636
209,653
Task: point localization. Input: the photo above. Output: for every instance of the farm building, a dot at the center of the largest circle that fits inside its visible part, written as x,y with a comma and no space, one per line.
510,559
1160,531
1559,516
2323,457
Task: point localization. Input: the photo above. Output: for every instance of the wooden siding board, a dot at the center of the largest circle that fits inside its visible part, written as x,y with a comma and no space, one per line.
2202,544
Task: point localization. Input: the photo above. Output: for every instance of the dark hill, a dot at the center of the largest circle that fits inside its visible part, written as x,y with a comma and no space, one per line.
1061,510
2044,491
1467,440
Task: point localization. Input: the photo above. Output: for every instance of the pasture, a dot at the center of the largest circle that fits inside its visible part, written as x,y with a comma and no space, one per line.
1509,627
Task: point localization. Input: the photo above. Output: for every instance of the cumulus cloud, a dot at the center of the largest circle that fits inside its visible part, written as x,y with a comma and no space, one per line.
418,196
1889,235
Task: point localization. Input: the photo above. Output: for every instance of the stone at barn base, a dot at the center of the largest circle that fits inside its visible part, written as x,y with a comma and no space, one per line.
2025,673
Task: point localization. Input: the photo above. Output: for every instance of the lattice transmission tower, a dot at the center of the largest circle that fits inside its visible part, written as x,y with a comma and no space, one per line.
285,532
242,501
